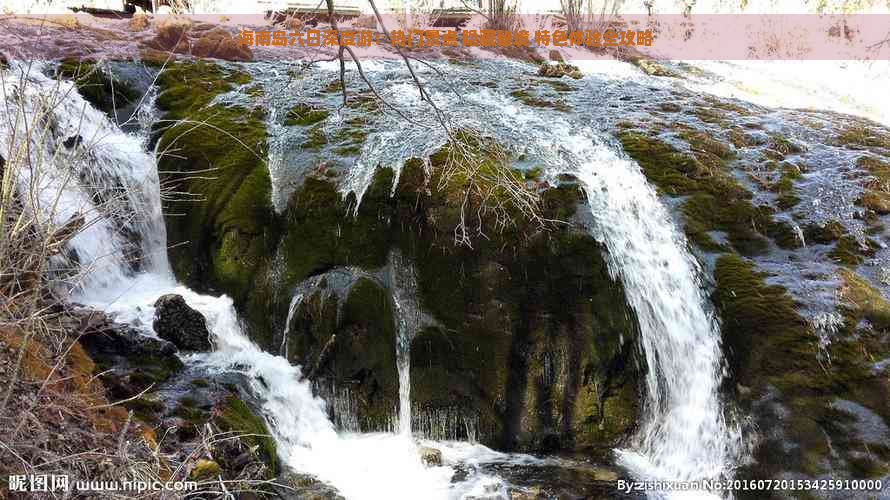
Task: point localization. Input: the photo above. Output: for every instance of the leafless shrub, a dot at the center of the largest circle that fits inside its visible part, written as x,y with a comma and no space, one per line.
583,15
476,175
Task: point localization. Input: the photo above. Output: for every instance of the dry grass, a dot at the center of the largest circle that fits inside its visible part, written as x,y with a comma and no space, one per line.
582,15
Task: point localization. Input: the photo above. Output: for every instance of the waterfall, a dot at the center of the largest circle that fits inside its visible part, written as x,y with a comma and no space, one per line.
404,290
684,435
295,302
69,180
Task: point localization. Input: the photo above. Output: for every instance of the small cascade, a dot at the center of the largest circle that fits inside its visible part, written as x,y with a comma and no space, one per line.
84,167
684,435
404,291
291,310
99,270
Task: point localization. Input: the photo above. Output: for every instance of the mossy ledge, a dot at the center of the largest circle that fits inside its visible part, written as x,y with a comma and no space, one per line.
775,357
221,225
510,305
716,200
556,302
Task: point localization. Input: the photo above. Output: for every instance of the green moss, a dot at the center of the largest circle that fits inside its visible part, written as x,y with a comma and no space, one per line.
188,87
718,202
153,370
848,250
145,408
315,138
221,226
672,171
737,217
863,135
303,115
784,187
705,143
864,301
533,173
235,416
754,312
771,348
97,86
783,147
529,99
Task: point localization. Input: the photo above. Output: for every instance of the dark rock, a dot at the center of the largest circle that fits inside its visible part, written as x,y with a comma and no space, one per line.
73,141
177,322
102,337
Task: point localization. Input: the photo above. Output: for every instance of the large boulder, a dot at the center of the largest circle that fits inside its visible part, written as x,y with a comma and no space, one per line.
177,322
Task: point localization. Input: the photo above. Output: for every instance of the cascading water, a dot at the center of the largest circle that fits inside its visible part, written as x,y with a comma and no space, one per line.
404,286
684,435
369,466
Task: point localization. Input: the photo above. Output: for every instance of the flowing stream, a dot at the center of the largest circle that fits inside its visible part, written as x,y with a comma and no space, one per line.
119,264
110,276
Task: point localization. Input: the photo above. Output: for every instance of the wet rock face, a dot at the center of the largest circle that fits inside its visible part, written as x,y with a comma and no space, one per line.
178,323
526,348
529,341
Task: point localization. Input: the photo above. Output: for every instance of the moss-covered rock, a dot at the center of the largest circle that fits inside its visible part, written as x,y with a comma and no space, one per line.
775,353
221,226
864,301
851,251
718,202
99,87
233,415
509,306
